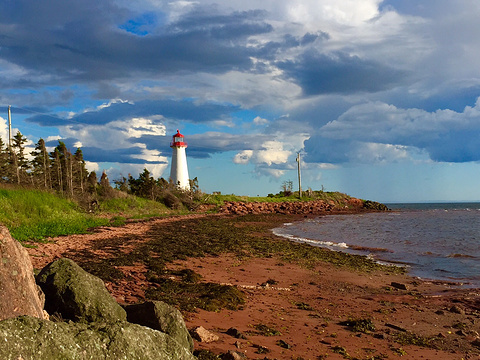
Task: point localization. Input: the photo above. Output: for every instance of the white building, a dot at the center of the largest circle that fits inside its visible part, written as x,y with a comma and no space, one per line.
179,170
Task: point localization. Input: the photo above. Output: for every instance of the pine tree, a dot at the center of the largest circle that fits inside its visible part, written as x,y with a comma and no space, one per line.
92,183
56,170
41,165
3,161
80,172
19,163
63,168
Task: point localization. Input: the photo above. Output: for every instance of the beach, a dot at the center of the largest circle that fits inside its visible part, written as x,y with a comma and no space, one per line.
295,307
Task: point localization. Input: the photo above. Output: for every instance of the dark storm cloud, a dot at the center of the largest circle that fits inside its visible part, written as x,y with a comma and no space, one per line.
288,41
93,154
84,41
204,145
339,73
324,150
170,109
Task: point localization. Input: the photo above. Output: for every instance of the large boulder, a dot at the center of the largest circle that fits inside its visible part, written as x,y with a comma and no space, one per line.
77,295
163,317
19,294
30,338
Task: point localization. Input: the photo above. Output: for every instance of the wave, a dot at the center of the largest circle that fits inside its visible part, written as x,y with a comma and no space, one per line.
340,245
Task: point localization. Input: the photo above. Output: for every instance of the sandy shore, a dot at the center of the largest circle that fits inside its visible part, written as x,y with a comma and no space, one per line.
308,311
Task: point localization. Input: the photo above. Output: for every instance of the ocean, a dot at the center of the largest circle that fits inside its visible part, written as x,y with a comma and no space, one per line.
436,241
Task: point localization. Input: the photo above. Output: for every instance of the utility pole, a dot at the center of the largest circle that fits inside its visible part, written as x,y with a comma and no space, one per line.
299,177
9,127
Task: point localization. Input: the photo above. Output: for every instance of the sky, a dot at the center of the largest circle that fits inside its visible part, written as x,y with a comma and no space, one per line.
380,98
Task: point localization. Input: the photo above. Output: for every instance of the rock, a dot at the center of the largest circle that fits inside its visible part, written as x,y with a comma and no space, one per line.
476,342
261,349
236,333
399,286
27,337
160,316
233,355
457,310
201,334
283,344
77,295
19,294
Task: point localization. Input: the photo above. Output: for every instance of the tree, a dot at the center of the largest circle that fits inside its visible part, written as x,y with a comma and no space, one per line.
145,186
4,156
56,170
104,188
287,187
80,172
41,165
122,184
63,168
92,182
18,162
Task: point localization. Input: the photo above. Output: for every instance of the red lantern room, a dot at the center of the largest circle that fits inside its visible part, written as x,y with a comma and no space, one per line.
178,140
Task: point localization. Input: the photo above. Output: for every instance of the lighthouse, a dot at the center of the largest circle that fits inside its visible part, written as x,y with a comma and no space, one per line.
179,170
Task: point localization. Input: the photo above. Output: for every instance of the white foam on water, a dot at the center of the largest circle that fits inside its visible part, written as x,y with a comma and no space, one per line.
341,245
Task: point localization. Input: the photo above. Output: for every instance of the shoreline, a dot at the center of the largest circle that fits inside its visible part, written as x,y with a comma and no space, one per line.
311,316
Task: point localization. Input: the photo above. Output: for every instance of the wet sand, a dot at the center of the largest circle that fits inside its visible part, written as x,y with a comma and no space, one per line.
310,309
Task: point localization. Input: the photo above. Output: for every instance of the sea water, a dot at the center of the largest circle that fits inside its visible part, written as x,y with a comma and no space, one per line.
435,241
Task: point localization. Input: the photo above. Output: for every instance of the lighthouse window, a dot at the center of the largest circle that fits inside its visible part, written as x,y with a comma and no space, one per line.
178,139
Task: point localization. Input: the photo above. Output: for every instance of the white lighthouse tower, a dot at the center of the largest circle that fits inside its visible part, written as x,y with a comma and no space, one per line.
179,170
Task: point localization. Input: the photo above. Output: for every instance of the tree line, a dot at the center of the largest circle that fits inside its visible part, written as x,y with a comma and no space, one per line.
59,170
65,172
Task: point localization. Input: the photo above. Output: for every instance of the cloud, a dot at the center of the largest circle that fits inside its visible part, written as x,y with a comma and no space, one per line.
93,41
339,72
176,110
378,132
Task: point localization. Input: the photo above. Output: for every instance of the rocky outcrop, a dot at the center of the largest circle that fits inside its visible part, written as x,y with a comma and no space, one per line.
19,294
313,207
287,207
77,295
163,317
30,338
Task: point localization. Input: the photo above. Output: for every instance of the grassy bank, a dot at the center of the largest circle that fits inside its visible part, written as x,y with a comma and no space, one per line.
218,199
31,214
35,215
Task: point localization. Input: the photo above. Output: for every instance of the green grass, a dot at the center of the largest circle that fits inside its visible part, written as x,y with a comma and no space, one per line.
134,207
35,215
219,199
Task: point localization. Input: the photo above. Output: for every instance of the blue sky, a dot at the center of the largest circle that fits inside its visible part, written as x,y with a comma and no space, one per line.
380,97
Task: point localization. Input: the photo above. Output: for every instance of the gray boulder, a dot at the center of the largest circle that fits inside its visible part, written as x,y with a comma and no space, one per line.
160,316
77,295
19,294
30,338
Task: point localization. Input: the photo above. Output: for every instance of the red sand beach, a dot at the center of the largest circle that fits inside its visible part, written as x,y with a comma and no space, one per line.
311,311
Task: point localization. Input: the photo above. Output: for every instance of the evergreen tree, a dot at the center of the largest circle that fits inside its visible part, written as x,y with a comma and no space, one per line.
92,183
80,172
105,190
145,186
63,168
56,170
41,165
18,161
3,161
